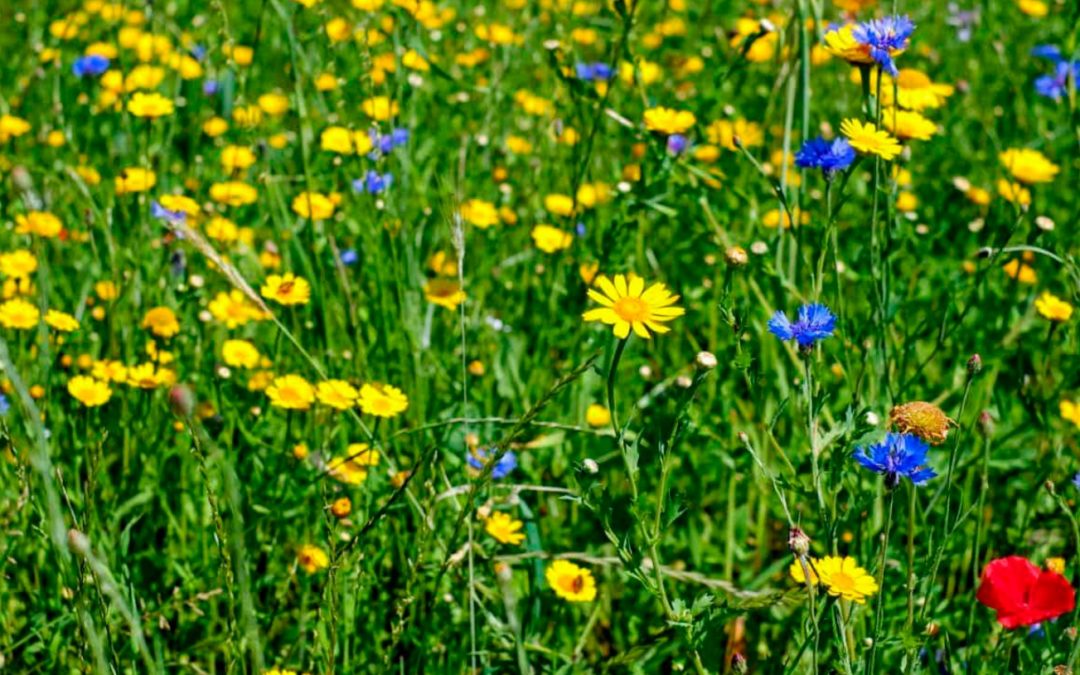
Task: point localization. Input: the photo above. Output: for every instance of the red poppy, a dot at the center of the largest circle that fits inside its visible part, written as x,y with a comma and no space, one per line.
1022,594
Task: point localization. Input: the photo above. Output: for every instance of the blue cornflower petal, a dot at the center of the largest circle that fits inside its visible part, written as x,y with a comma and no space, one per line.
883,36
506,464
898,456
1051,52
780,326
92,65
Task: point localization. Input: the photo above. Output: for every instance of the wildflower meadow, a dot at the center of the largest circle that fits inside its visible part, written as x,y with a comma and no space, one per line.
539,336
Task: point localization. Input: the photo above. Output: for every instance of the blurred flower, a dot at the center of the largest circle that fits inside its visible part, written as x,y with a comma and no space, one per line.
1028,166
312,558
61,321
842,577
504,529
1056,86
594,72
571,582
150,105
444,293
479,457
628,304
373,182
286,289
815,322
1052,307
1070,411
908,125
597,415
898,456
382,400
669,121
291,392
161,321
480,213
337,394
313,205
1022,594
88,391
240,354
90,66
551,239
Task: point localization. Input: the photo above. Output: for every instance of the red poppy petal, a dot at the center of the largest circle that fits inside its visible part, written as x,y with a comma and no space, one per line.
1052,595
1005,584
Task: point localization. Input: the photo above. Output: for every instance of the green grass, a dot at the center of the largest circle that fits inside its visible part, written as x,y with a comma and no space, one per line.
147,535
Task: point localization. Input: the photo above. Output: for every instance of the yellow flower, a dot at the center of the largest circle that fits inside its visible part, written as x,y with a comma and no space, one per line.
842,577
291,392
480,213
1014,193
627,304
240,354
380,108
382,400
161,321
152,105
560,205
597,415
724,133
841,42
312,558
1029,166
61,321
12,127
867,138
551,239
19,314
1070,411
571,582
914,89
925,420
504,529
149,376
1056,565
233,309
286,289
109,371
214,127
88,391
135,179
274,104
247,115
236,158
313,205
233,193
669,121
41,223
1033,8
337,394
444,293
18,264
1019,271
347,470
907,125
345,141
1052,307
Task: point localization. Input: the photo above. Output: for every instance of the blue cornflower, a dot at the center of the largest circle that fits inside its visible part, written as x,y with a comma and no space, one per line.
676,143
829,156
349,257
210,87
92,65
815,323
898,456
479,458
373,182
5,405
580,229
198,52
883,36
159,211
593,72
1051,52
1055,86
1076,480
399,136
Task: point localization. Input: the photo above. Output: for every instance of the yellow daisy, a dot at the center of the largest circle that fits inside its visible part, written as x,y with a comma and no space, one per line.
628,304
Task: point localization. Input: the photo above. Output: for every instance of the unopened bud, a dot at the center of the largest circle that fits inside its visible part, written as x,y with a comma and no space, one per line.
974,365
739,664
590,465
78,541
932,629
182,400
767,26
736,256
705,360
798,542
743,437
986,424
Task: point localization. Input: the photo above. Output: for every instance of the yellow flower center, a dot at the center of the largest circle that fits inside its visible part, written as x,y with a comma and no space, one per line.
842,582
631,309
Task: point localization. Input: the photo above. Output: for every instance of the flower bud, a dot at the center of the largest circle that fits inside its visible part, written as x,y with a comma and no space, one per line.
798,542
739,664
974,365
590,465
986,424
705,360
182,400
735,256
